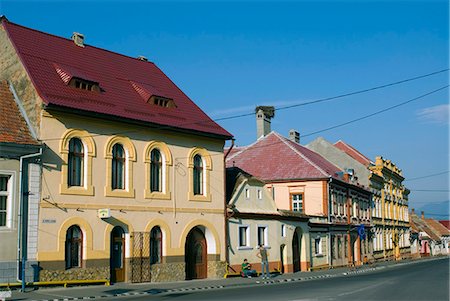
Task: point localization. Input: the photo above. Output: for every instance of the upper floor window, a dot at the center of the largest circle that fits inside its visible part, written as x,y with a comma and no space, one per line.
259,194
199,169
155,245
74,247
5,200
77,148
75,163
118,167
120,155
157,158
297,202
198,175
155,170
247,193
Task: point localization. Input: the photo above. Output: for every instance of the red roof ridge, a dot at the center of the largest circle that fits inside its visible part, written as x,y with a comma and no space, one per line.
244,148
60,37
285,141
354,149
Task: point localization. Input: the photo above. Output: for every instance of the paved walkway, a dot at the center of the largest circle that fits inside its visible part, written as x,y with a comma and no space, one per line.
140,289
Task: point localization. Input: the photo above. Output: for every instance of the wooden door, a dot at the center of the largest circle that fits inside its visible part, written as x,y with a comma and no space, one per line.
117,259
295,253
195,255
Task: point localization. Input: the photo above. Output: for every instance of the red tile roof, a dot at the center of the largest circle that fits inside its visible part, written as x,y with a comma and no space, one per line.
421,225
13,127
438,227
274,157
352,152
446,224
51,61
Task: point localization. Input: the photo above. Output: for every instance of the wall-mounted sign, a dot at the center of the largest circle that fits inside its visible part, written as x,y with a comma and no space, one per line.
104,213
49,221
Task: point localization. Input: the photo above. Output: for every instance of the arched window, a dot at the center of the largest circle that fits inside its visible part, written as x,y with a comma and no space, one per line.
74,247
198,175
155,245
118,167
155,170
75,163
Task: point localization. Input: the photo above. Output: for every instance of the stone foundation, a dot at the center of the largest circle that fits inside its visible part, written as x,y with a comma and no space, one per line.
216,269
75,274
164,272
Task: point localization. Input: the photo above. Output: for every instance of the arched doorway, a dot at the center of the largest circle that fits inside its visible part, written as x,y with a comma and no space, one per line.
296,252
195,255
117,255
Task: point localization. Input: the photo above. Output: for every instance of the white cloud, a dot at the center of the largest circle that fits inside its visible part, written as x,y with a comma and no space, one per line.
437,114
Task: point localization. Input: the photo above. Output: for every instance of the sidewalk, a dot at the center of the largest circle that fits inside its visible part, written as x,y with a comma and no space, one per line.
135,289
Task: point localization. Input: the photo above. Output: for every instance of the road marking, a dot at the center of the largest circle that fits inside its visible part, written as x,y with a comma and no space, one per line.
363,288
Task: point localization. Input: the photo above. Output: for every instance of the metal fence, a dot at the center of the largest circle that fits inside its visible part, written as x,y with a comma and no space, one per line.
140,261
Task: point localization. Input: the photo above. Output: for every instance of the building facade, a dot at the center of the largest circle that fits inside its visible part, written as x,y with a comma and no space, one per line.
253,220
393,230
303,181
20,153
132,170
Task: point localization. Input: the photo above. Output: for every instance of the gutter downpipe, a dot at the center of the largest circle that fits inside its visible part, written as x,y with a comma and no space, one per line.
227,259
329,222
23,222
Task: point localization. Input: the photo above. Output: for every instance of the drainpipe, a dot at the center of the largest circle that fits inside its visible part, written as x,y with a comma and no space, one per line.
227,259
23,217
330,264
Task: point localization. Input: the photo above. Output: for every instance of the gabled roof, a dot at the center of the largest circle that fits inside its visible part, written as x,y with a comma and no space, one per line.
275,157
52,61
446,224
437,227
420,225
352,152
13,127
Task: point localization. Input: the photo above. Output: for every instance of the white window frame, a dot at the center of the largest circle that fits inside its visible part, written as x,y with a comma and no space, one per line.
302,202
318,251
247,193
266,235
10,196
247,237
260,194
283,230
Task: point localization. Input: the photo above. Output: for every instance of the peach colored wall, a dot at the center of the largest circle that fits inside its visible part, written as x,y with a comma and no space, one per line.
313,195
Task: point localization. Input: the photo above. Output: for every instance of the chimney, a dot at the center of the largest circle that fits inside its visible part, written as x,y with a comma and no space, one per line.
78,39
142,58
294,136
263,116
423,215
412,211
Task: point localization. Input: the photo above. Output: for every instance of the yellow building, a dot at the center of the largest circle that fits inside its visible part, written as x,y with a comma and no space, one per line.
391,218
132,170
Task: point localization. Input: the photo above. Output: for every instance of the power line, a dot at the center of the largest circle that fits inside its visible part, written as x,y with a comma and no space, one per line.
428,176
376,113
162,127
430,190
339,96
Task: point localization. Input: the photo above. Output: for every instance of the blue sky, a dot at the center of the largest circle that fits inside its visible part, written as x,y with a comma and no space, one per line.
231,56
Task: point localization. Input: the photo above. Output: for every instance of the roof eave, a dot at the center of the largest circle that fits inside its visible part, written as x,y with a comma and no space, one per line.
65,109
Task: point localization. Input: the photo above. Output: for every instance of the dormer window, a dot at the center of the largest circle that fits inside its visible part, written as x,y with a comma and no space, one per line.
162,102
153,96
84,84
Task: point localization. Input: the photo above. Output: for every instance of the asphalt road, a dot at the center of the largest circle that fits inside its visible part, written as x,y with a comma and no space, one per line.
426,280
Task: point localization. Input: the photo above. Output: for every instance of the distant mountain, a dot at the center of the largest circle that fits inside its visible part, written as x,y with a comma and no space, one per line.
437,211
